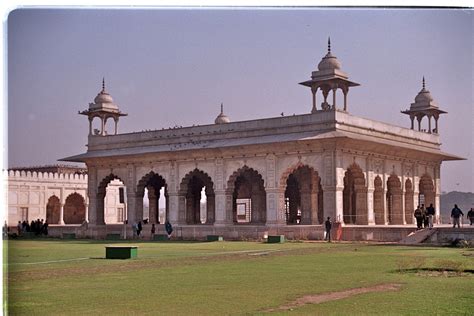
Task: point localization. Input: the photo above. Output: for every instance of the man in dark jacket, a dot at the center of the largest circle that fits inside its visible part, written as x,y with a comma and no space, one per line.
168,228
328,226
430,211
470,215
419,217
456,214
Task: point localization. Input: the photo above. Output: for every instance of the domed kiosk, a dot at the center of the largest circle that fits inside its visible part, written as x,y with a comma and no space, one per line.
103,108
424,106
329,76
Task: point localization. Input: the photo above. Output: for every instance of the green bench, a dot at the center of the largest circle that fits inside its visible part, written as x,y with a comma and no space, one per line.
276,239
69,236
121,252
215,238
113,237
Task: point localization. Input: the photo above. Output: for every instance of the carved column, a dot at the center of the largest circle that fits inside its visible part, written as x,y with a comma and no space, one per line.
153,205
314,90
90,125
102,125
132,202
173,211
275,209
314,207
61,214
345,91
86,215
116,125
210,209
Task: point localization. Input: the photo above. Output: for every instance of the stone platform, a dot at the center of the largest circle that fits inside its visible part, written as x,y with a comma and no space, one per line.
376,233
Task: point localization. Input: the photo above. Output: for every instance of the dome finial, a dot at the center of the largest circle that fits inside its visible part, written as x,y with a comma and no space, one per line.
222,108
103,84
329,45
423,82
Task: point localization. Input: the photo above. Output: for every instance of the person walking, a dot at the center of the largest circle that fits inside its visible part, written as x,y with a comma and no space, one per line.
19,228
139,228
419,218
134,229
425,216
169,229
153,230
328,226
456,214
430,211
470,215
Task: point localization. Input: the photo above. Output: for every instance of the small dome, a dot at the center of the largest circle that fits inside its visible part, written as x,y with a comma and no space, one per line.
423,96
222,118
329,62
103,97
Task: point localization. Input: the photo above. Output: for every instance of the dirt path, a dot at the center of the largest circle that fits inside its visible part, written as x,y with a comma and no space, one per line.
332,296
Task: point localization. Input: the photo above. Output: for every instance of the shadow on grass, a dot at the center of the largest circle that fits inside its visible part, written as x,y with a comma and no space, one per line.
416,270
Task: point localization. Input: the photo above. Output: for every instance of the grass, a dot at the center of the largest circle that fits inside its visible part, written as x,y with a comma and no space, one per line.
232,278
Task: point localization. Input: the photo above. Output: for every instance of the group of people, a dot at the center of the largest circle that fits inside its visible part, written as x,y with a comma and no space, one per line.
39,227
138,227
424,216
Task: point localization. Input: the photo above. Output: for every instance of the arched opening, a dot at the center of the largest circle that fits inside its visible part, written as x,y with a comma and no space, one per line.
109,126
198,189
53,209
110,207
378,201
158,204
409,205
354,202
96,125
249,203
74,209
303,197
394,200
426,191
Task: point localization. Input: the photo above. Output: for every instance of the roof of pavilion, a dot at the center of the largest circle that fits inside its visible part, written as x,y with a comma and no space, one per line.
369,142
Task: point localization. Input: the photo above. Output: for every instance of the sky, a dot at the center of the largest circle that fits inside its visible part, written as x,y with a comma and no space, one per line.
167,67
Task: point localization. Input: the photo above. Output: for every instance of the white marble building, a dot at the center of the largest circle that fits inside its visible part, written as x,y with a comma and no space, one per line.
60,198
284,172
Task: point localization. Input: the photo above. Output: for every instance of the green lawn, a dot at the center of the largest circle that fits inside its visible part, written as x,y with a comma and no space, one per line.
53,277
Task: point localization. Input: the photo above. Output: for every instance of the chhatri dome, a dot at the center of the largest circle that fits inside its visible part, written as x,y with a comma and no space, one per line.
329,62
103,100
222,118
424,106
104,109
424,98
329,77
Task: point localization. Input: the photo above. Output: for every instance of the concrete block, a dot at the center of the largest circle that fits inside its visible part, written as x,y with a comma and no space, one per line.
121,252
276,239
214,238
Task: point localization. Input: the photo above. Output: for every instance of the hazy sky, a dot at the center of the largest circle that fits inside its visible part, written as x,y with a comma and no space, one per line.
168,67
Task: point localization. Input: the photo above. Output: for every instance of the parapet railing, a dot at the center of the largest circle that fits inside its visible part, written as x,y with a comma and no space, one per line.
43,175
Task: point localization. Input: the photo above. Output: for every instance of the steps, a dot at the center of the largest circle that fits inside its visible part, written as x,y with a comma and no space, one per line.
418,237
